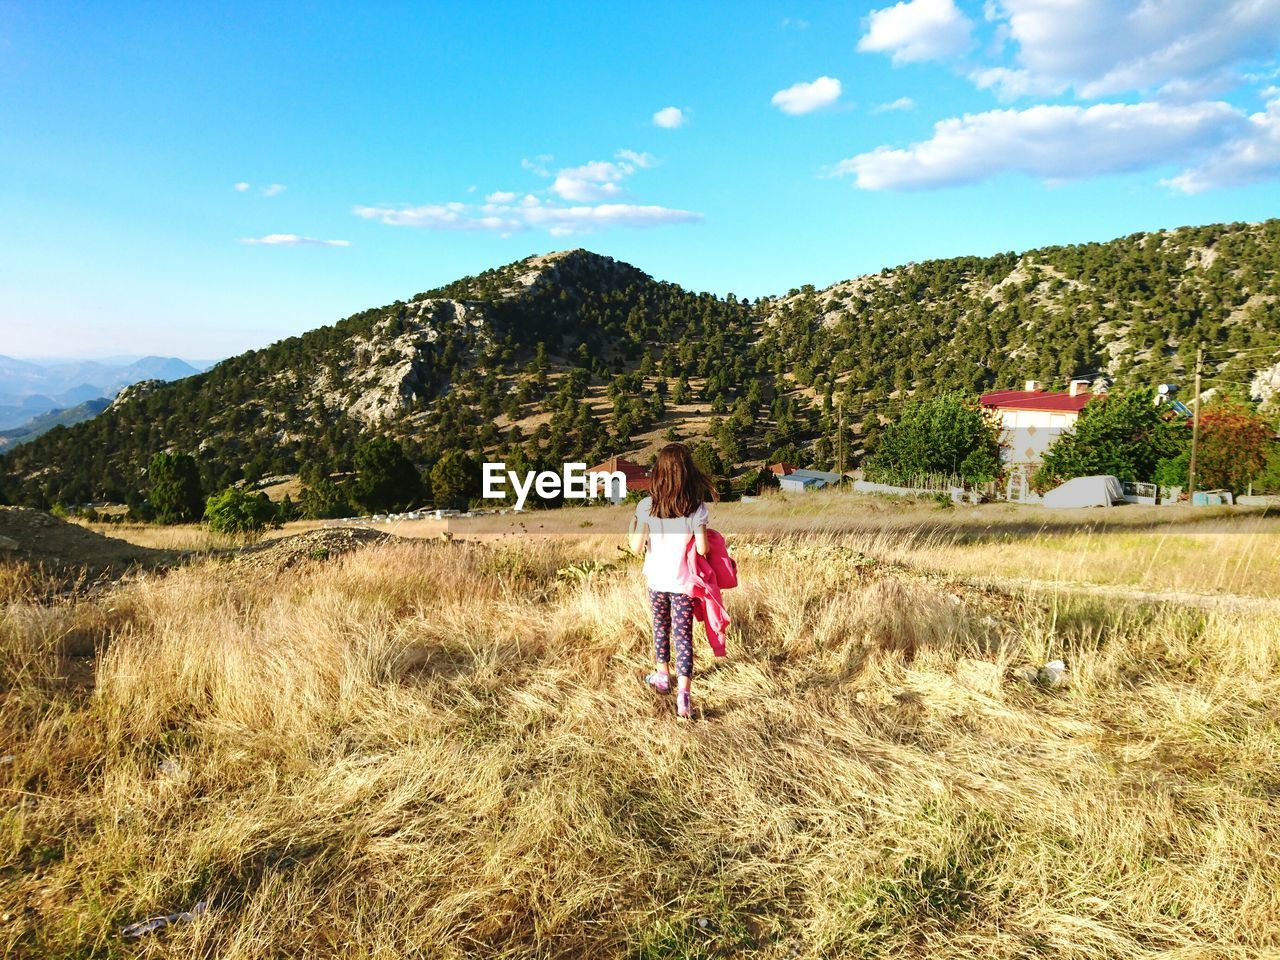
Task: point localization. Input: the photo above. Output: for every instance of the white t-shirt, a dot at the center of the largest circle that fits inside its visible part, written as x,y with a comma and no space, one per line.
668,541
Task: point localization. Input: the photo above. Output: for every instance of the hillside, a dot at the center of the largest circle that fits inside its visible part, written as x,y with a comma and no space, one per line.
43,423
523,353
575,355
1132,310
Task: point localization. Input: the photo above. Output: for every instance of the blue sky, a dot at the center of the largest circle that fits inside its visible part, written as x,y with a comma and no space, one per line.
200,180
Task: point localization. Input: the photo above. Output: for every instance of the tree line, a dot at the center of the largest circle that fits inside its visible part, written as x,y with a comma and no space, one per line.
591,354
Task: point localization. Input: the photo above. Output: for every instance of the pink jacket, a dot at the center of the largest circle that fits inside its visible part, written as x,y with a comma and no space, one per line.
704,578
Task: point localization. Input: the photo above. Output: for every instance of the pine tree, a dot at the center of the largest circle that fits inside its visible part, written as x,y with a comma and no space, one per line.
386,478
174,488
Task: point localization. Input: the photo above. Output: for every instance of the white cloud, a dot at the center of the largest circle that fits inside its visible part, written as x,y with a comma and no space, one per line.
641,160
587,219
1252,157
580,186
555,218
1006,83
599,179
902,103
919,30
443,216
807,97
591,181
268,191
293,240
669,118
538,164
1051,142
1104,47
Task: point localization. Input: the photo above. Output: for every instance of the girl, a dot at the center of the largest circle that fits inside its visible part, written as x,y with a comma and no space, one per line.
663,522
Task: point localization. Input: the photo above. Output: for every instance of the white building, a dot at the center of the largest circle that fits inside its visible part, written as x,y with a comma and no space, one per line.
1031,421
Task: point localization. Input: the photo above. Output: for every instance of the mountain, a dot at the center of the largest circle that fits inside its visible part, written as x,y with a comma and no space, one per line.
31,387
43,423
531,345
573,355
17,410
1132,310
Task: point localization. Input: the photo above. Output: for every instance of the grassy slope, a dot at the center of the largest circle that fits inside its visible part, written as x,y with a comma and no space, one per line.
1202,551
445,749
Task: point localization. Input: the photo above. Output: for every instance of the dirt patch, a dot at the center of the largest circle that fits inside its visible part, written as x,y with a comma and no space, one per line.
68,552
277,555
1183,598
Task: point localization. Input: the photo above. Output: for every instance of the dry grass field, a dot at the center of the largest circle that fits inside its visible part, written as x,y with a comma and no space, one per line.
443,749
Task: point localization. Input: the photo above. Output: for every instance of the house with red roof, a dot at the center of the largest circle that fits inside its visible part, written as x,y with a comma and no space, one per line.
1031,420
636,476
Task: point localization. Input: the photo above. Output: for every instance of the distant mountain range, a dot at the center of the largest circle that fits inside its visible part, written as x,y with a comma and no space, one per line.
31,388
576,356
44,422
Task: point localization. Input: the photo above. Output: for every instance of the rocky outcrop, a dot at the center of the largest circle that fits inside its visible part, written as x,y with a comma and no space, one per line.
388,372
134,391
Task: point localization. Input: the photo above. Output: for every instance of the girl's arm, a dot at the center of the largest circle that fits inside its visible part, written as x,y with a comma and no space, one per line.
637,535
700,539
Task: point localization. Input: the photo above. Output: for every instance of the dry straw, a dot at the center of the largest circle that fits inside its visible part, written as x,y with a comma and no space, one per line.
445,751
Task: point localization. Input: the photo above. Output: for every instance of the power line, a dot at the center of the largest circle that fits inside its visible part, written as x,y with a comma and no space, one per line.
1246,350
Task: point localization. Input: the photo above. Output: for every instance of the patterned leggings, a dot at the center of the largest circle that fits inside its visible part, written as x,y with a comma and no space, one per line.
673,614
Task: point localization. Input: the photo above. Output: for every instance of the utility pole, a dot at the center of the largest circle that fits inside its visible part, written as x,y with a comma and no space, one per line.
840,436
1195,425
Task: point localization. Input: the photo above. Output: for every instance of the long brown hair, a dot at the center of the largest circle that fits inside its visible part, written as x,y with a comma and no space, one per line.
677,486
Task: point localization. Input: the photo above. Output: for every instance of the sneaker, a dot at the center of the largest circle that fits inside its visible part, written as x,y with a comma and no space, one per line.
684,709
659,682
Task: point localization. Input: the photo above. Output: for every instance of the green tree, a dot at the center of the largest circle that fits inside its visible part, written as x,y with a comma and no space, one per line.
708,460
287,510
1268,481
1124,434
323,500
236,511
947,435
455,479
385,479
759,480
174,488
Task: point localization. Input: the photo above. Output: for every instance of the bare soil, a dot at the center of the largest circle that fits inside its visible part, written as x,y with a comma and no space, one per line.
69,552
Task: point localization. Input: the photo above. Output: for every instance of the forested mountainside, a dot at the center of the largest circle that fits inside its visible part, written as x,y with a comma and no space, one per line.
463,366
577,356
1132,311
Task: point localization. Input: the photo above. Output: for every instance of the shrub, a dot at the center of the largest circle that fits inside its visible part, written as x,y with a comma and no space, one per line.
237,512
